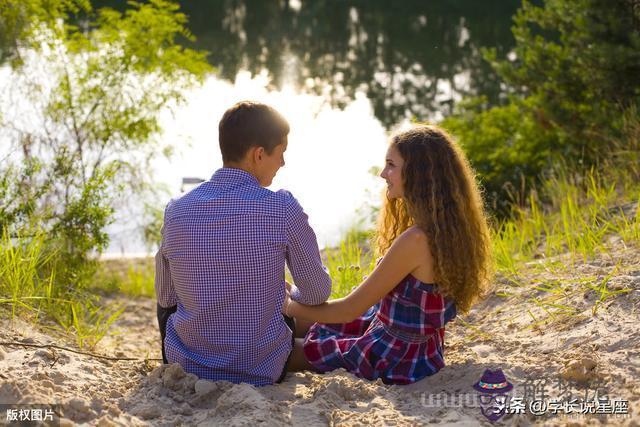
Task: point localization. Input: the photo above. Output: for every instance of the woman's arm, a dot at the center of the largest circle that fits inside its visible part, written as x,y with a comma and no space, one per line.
403,257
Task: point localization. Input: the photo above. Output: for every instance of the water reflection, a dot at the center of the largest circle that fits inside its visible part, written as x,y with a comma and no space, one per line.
410,58
329,155
377,58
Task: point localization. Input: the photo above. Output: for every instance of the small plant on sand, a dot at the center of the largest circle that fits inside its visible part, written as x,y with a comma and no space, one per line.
89,323
31,288
603,291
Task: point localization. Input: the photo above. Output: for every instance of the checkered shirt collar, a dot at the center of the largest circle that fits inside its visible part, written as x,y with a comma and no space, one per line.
234,177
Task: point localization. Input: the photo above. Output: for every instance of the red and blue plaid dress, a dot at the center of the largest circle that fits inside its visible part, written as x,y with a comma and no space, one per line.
399,340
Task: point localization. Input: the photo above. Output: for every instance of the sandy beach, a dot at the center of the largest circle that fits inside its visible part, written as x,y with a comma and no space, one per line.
559,353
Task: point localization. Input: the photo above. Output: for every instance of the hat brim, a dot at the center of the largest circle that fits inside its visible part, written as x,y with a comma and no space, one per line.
477,387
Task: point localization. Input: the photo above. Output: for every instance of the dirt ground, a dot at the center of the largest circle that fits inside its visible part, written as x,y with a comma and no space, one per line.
543,333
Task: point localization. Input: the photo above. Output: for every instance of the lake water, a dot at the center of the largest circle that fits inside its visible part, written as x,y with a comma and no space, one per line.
345,74
329,155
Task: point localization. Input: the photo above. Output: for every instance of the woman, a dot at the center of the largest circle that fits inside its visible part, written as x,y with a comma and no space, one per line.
436,249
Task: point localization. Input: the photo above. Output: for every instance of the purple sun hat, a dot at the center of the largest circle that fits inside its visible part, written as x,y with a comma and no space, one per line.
493,382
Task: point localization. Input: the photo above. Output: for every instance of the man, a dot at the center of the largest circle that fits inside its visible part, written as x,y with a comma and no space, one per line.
220,268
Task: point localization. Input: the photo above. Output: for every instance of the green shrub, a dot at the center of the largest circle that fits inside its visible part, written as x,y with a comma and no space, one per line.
89,144
571,87
508,150
96,122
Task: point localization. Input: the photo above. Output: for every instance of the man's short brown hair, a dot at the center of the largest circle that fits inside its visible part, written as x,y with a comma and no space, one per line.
248,124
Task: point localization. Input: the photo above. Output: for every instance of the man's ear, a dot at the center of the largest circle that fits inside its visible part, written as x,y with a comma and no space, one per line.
258,153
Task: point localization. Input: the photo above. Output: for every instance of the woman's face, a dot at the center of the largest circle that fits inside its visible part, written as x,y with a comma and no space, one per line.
392,173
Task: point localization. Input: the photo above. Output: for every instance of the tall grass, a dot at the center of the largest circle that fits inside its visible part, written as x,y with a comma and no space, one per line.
575,218
23,286
577,212
578,217
349,263
131,277
30,289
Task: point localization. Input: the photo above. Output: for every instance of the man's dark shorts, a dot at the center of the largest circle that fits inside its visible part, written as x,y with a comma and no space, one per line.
291,323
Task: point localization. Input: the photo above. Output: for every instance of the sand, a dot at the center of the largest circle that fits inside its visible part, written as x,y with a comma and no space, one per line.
583,347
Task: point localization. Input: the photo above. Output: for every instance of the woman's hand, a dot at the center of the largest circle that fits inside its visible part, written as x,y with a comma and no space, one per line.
404,256
286,304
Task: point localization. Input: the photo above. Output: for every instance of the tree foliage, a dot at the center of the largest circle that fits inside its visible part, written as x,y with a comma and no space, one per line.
81,115
19,19
572,79
580,61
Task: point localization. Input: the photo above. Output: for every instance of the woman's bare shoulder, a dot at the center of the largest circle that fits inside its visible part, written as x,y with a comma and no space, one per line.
417,244
415,241
414,235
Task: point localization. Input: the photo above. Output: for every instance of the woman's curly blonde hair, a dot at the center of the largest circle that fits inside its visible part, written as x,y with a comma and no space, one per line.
441,197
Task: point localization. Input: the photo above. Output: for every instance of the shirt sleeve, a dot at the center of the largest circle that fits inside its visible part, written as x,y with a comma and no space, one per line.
311,278
165,292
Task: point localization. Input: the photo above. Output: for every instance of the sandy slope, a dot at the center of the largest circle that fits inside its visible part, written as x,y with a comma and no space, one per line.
496,334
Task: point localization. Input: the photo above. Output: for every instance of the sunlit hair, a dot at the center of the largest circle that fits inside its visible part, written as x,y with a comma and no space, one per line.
441,197
248,124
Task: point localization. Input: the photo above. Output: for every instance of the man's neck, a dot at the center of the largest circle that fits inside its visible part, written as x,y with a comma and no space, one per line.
240,165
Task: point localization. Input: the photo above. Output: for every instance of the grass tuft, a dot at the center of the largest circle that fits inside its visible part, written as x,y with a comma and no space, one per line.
577,219
131,277
29,287
349,263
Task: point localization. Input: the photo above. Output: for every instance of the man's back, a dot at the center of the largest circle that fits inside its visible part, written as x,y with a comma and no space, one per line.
222,260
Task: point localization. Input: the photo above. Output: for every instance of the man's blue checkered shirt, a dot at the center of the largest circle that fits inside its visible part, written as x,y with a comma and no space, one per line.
222,259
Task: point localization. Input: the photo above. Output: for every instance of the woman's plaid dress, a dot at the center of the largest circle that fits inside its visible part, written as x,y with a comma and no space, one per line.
399,340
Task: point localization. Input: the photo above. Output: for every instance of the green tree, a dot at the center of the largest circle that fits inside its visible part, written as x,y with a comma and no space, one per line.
571,83
579,61
83,128
18,20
